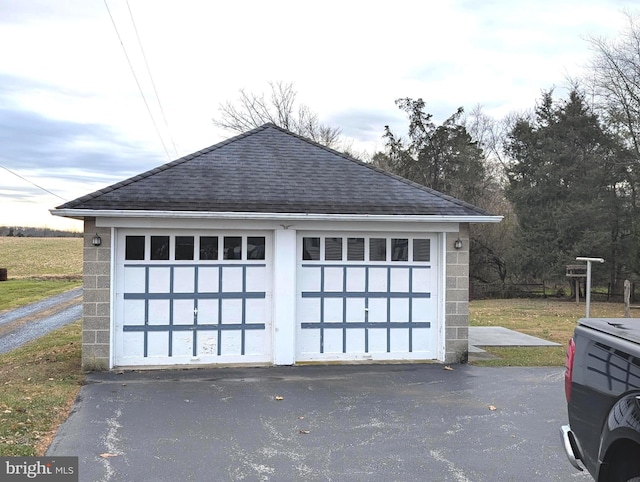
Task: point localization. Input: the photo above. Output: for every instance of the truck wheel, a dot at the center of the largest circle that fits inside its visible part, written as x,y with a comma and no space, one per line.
624,464
623,476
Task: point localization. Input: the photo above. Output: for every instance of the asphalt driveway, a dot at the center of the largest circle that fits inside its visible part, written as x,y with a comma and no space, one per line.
341,423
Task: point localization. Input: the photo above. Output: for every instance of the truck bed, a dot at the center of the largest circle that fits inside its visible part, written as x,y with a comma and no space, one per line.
624,328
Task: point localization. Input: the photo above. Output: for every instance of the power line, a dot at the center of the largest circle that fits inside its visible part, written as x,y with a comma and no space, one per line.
144,56
137,82
31,182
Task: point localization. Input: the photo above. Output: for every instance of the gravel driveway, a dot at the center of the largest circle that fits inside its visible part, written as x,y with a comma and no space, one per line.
32,321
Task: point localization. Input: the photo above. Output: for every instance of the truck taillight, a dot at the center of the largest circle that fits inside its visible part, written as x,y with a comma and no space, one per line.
568,369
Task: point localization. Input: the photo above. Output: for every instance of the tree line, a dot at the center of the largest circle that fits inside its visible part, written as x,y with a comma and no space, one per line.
565,174
34,232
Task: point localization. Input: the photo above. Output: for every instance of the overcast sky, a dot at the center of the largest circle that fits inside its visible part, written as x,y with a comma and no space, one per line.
72,119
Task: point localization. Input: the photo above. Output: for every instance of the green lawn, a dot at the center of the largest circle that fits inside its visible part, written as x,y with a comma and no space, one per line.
550,319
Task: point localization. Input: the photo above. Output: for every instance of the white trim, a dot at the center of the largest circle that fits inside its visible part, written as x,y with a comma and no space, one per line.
273,225
284,297
442,308
112,300
118,213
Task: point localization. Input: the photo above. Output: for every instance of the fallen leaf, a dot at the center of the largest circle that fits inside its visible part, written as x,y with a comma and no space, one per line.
107,455
278,397
447,367
304,432
492,408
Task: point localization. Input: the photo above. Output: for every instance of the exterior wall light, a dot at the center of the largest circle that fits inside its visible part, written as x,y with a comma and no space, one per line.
457,244
97,240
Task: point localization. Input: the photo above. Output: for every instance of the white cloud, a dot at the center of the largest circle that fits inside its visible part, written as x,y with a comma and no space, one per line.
65,70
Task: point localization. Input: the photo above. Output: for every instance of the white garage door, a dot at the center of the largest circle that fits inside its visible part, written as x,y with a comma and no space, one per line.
192,298
366,297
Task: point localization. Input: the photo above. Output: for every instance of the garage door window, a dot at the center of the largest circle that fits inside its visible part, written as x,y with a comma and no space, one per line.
159,248
377,249
399,250
134,248
333,249
422,250
255,247
311,249
184,247
208,248
355,249
232,247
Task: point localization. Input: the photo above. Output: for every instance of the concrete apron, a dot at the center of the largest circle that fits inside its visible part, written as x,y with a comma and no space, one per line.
499,336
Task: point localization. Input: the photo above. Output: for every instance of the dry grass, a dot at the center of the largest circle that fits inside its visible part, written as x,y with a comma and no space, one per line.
41,257
39,383
551,320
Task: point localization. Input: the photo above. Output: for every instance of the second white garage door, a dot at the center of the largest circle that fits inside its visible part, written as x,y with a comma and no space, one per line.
366,297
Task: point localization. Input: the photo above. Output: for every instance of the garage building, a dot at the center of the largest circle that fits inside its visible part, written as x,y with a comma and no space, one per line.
269,248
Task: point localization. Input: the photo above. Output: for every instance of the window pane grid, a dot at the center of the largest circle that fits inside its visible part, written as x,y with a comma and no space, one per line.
372,249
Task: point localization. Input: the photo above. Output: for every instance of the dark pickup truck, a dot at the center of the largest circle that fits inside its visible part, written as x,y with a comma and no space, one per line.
602,386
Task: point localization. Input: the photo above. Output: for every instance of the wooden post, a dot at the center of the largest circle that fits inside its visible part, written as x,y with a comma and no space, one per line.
577,291
627,298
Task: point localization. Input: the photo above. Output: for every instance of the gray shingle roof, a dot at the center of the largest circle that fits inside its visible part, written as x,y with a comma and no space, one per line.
271,170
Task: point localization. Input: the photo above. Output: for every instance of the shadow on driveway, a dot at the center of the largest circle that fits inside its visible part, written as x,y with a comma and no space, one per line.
344,423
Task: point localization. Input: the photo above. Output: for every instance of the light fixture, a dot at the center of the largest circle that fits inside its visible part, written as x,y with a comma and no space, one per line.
97,240
457,244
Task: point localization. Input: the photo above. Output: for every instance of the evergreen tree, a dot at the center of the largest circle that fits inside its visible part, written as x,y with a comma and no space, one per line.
443,157
567,187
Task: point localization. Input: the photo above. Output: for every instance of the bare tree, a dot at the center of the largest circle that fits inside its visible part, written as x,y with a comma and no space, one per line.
280,108
615,71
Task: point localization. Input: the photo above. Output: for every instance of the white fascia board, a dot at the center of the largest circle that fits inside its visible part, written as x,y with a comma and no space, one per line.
81,213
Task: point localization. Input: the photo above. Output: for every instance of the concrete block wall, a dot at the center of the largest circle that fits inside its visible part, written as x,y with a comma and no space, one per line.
96,305
457,298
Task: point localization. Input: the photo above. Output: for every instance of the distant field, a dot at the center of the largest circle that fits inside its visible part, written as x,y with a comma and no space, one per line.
37,268
41,257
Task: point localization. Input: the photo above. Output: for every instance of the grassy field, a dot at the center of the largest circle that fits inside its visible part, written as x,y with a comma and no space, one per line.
41,258
550,319
37,268
39,381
